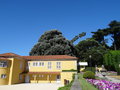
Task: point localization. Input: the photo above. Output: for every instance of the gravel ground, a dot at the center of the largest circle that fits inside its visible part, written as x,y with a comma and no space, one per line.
43,86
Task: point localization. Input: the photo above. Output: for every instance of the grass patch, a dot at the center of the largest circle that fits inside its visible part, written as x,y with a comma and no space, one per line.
84,84
66,87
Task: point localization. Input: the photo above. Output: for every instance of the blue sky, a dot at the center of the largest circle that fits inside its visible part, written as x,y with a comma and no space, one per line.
22,22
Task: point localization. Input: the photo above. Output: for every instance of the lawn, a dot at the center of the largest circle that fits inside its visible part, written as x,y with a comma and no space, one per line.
84,84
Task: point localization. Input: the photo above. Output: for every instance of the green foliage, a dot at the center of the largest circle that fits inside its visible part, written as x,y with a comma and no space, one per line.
89,69
112,61
72,70
53,43
78,36
113,31
84,84
89,75
90,47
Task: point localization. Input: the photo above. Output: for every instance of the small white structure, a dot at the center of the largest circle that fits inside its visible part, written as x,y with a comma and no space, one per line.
82,65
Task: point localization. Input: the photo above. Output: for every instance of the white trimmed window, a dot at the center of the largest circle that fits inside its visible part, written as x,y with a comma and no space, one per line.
33,63
3,64
58,65
21,64
20,77
49,65
42,63
37,64
3,76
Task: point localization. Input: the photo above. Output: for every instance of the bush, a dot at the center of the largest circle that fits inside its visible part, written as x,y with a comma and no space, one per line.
89,75
89,69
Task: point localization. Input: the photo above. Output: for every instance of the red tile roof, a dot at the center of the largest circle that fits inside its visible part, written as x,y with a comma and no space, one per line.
43,72
45,57
49,57
2,58
9,54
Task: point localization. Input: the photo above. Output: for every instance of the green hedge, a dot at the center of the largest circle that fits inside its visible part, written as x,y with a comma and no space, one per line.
89,69
89,75
72,70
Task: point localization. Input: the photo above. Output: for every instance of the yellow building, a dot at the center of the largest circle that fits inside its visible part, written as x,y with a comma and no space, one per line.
12,69
36,69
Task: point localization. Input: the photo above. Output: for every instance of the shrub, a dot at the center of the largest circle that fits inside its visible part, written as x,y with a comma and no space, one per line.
89,75
89,69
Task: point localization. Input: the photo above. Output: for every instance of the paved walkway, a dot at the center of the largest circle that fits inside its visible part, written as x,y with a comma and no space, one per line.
76,84
109,78
40,86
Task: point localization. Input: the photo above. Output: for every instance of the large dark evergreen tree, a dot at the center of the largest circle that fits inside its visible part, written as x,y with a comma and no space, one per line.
53,43
90,47
113,31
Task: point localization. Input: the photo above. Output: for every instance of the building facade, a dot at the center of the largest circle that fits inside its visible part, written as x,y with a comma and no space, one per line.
16,69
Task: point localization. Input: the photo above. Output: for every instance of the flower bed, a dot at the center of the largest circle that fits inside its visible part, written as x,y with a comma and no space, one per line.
104,85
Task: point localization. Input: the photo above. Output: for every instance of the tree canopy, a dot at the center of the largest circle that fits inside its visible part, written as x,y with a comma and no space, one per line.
112,61
53,43
90,47
78,36
113,31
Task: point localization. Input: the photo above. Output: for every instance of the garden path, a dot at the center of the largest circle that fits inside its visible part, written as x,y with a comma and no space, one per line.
76,84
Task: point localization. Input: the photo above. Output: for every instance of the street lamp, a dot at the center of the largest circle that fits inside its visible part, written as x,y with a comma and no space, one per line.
90,62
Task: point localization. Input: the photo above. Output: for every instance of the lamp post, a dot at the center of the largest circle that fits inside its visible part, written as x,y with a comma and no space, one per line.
90,62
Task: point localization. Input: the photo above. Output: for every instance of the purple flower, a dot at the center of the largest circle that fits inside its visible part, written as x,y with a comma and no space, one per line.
104,85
